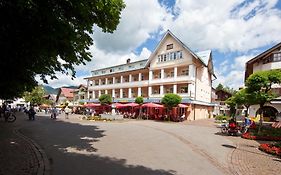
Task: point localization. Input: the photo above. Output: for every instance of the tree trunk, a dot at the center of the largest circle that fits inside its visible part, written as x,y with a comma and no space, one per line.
261,119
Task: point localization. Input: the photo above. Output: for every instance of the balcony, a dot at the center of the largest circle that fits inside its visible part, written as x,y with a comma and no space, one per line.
120,85
173,79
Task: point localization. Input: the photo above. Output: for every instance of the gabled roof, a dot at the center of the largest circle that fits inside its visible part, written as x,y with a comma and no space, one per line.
264,53
179,41
250,63
67,92
204,55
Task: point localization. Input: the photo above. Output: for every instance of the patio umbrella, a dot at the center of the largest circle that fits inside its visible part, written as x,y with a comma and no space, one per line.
152,105
119,105
91,105
131,104
183,106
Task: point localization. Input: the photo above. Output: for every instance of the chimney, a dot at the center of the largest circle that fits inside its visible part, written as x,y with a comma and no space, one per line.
128,60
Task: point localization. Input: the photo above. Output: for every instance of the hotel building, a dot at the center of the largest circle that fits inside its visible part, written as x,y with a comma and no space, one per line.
268,60
171,68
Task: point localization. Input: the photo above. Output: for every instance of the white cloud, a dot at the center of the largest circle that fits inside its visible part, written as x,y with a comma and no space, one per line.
100,59
139,21
226,25
63,80
232,75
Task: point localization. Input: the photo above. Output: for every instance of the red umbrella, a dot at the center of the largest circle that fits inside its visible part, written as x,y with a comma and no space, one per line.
91,105
131,104
182,106
152,105
119,105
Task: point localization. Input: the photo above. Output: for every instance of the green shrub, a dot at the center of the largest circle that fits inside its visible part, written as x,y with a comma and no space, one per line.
222,117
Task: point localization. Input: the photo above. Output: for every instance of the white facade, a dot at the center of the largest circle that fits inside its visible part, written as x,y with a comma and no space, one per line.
268,60
171,68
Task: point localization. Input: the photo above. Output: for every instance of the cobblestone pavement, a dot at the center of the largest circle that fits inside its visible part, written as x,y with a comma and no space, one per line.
246,158
19,155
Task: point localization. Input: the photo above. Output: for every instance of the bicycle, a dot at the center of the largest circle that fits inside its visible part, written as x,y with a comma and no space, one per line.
9,116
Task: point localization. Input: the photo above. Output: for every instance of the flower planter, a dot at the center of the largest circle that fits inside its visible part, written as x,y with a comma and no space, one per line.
271,149
267,138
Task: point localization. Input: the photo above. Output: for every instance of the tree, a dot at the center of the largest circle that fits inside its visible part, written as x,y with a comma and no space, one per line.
219,87
40,37
244,98
259,84
105,99
139,100
36,96
232,105
170,101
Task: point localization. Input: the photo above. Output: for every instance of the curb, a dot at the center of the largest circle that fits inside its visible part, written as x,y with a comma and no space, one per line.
43,163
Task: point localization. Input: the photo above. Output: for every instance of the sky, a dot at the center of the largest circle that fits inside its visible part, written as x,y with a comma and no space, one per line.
235,31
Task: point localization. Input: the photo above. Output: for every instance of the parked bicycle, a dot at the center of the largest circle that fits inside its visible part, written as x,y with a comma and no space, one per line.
8,116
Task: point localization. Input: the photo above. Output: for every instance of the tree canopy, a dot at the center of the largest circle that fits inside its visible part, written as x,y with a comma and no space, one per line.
105,99
139,100
226,89
171,100
36,96
260,85
41,37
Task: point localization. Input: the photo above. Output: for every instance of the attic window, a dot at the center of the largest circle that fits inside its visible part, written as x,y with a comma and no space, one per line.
169,46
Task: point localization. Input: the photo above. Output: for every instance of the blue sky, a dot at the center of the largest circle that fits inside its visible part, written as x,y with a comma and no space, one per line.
235,30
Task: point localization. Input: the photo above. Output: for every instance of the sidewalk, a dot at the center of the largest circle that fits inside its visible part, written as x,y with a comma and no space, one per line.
246,158
19,155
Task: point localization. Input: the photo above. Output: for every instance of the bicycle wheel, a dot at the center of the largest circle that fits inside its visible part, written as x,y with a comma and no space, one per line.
11,118
224,130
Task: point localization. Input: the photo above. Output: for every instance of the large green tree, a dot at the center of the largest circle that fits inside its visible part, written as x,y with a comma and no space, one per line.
36,96
260,85
41,37
242,97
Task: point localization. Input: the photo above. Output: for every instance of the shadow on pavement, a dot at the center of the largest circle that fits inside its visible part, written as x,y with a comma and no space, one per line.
70,147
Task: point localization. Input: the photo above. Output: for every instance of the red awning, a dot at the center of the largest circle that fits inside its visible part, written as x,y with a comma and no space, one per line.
152,105
119,105
131,104
91,105
183,106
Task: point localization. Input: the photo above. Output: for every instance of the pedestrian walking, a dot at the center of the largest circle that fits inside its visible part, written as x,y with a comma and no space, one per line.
67,111
54,113
31,113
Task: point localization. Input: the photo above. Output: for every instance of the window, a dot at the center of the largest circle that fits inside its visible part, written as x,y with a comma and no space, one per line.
111,70
103,72
277,57
120,68
170,56
184,89
131,67
169,46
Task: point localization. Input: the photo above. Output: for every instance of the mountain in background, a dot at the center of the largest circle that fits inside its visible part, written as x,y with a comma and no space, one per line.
50,90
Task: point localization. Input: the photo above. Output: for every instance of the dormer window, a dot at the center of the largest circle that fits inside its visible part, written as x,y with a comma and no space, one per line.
169,46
